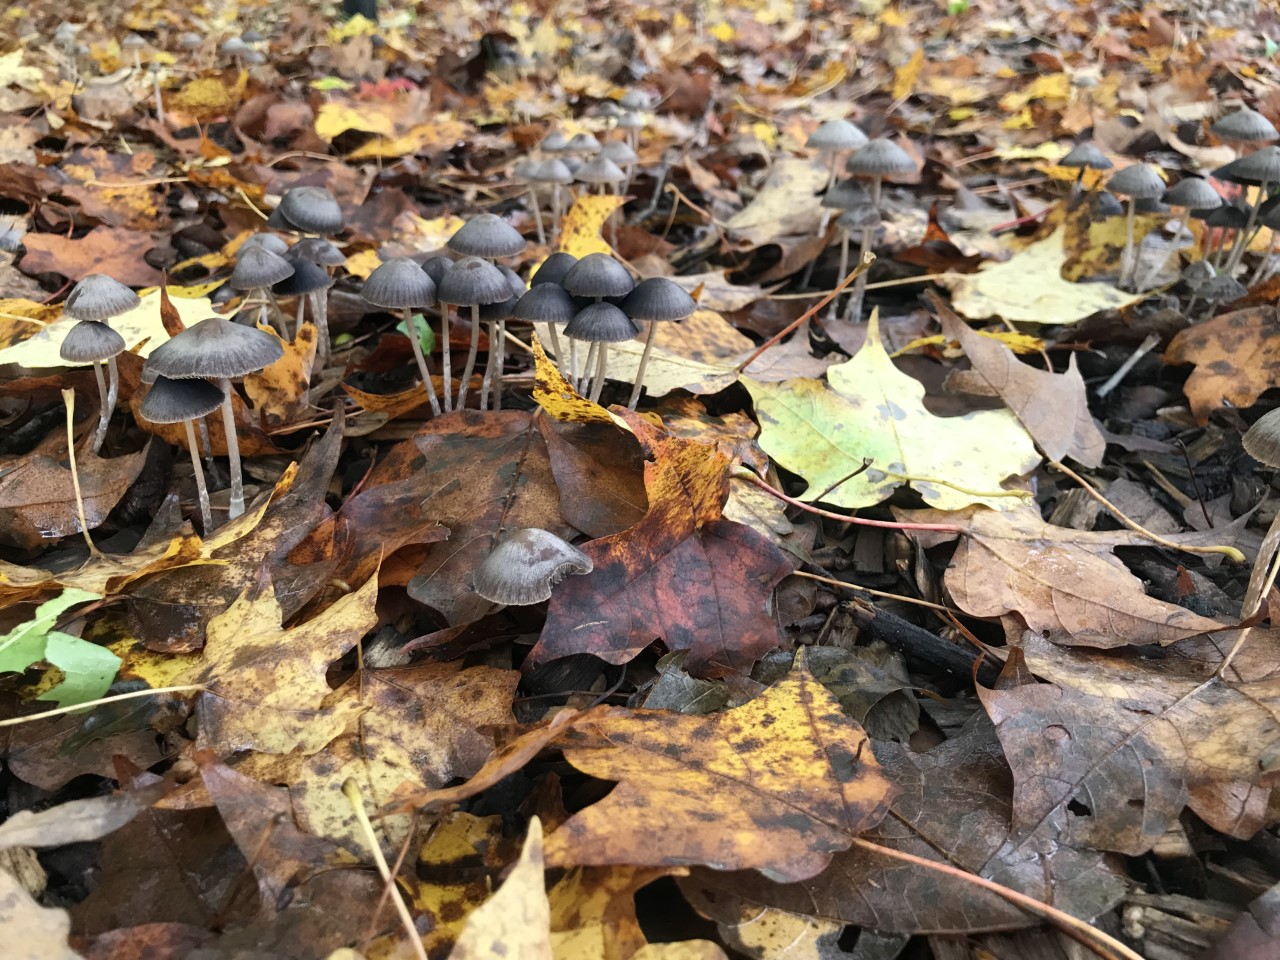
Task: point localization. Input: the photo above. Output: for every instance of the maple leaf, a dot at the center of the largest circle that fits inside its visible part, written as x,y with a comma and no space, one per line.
1237,357
682,574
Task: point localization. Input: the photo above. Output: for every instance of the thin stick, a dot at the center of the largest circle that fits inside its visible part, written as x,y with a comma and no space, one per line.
748,475
1078,930
59,711
874,593
351,790
69,398
1230,552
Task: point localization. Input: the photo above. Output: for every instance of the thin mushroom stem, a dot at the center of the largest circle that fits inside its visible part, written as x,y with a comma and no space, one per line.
104,411
233,452
1129,261
555,347
582,385
155,82
113,394
69,399
472,352
299,314
490,363
202,491
446,358
1246,235
557,211
497,369
602,367
421,362
537,212
638,388
320,313
854,312
284,329
573,363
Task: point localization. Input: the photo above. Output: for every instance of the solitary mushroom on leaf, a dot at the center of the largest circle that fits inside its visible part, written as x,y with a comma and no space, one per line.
524,567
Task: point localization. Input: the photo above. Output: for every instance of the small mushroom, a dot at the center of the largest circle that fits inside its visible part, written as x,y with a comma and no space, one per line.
1259,169
1262,440
1227,217
133,45
308,210
268,241
99,298
833,138
554,173
1245,126
400,284
600,324
597,276
653,301
220,350
553,269
1137,182
496,316
879,159
1189,193
95,343
549,304
257,270
488,236
525,565
185,401
308,282
473,282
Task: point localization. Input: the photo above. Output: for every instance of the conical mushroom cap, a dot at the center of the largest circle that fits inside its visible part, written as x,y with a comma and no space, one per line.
1194,193
487,235
601,323
215,347
865,216
583,143
474,282
397,284
257,267
631,120
598,275
553,268
1221,289
435,267
317,250
99,297
600,169
524,567
1088,156
1150,205
1137,182
268,241
837,135
658,299
312,210
307,277
619,152
1228,215
1106,205
881,158
503,310
845,195
172,401
1245,126
553,170
1198,273
1263,165
554,142
545,303
1262,440
91,341
634,100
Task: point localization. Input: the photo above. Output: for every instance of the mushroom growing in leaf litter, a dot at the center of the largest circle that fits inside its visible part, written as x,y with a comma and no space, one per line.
1137,182
655,300
99,298
473,282
600,324
524,567
400,284
95,343
185,401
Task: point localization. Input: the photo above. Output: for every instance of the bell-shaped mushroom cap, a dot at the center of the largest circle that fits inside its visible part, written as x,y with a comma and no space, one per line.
311,210
397,284
132,41
599,169
524,567
1106,205
317,250
1245,126
99,297
474,282
837,135
257,267
553,170
233,47
215,347
1193,192
1263,165
1198,273
1150,205
619,152
503,310
658,299
1262,440
631,120
172,401
881,158
583,143
606,108
487,235
435,267
1269,213
598,275
307,277
190,40
90,341
602,323
845,195
1223,288
268,241
1228,215
554,142
1140,181
553,268
865,216
1088,156
634,99
525,169
545,303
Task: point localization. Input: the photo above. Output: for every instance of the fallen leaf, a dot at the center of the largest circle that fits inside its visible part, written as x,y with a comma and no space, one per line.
40,933
281,393
787,204
580,230
1237,357
116,252
77,821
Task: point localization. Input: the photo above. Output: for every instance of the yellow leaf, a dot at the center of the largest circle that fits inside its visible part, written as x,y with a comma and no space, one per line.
580,233
553,393
280,392
1017,342
515,921
722,32
1052,86
892,17
335,118
442,132
207,98
905,77
363,263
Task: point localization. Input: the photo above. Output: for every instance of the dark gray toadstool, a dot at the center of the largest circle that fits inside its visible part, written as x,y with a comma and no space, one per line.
1140,181
101,298
600,324
472,282
185,401
879,160
653,301
547,303
95,343
400,284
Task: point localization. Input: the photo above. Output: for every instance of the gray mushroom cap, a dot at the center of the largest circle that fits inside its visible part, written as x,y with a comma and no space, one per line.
317,250
523,568
474,282
553,170
397,284
601,323
631,120
1194,193
600,169
658,299
172,401
257,267
215,347
99,297
881,158
1106,205
1198,273
1245,125
634,100
268,241
598,275
845,195
91,341
487,235
836,135
1262,440
1221,289
435,267
553,268
1139,181
545,303
619,152
554,142
1228,215
307,277
311,210
1086,155
865,216
1263,165
583,143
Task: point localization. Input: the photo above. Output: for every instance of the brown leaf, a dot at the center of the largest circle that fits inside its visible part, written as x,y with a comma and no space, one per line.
281,392
1237,357
682,574
118,189
1053,407
110,250
600,474
782,803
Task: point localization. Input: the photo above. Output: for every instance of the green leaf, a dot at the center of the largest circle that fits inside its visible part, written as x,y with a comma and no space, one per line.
24,644
88,668
426,336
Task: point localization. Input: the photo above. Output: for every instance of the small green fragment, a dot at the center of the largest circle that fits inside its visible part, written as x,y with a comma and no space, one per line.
426,336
